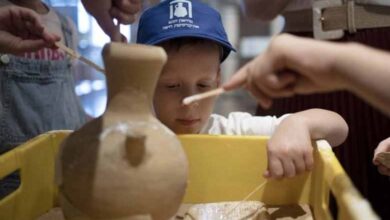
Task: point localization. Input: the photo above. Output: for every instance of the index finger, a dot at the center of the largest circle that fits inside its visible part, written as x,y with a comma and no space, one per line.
237,80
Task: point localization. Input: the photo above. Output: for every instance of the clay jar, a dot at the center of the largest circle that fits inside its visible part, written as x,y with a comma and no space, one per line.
124,164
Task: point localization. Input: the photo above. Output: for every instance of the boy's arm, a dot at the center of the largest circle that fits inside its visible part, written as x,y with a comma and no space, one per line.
324,124
264,9
290,149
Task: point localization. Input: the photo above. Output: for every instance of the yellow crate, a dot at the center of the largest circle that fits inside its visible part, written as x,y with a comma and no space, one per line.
222,168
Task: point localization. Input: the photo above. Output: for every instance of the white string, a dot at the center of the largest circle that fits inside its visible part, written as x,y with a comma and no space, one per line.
246,198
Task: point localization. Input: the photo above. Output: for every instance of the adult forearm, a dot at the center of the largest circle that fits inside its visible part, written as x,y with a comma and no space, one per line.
264,9
367,74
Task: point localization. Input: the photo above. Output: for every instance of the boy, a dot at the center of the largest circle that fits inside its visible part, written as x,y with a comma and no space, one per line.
196,43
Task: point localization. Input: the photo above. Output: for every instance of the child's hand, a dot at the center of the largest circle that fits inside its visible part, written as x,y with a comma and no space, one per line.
383,146
22,31
290,151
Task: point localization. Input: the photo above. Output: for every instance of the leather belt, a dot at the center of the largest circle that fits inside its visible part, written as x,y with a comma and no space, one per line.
330,18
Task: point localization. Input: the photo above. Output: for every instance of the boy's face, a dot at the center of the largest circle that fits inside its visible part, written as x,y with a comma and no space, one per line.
190,70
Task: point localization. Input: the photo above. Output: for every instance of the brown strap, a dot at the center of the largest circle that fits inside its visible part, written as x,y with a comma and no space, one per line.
351,16
347,17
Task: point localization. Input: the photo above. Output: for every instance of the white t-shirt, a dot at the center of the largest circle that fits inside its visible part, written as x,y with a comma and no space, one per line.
241,123
52,22
305,4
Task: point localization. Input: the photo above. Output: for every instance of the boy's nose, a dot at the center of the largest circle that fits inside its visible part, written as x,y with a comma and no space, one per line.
189,92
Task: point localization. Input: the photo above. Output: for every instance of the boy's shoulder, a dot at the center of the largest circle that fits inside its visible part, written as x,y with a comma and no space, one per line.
242,123
219,124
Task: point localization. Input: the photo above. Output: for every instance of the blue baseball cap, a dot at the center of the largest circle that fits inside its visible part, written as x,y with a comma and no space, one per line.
172,19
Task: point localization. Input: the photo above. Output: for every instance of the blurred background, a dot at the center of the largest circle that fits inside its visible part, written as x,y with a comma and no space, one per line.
249,37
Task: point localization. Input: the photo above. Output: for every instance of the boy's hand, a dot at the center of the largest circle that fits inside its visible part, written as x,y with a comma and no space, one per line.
105,11
383,146
289,150
22,31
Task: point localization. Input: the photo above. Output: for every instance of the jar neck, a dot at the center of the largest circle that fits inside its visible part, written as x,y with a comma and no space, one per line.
130,102
132,72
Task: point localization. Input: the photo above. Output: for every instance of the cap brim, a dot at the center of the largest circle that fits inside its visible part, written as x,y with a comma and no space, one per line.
226,45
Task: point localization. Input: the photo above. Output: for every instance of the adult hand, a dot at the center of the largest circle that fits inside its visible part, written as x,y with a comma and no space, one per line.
105,11
22,31
293,65
289,66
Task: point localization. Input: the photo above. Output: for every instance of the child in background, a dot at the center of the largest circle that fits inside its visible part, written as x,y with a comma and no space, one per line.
196,43
37,88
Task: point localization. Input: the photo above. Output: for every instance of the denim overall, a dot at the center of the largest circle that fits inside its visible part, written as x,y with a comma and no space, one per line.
36,96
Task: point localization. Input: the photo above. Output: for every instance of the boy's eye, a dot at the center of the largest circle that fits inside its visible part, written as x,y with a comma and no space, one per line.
203,86
172,86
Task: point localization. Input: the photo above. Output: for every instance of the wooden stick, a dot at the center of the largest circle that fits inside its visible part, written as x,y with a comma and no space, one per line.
92,64
246,198
76,55
197,97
